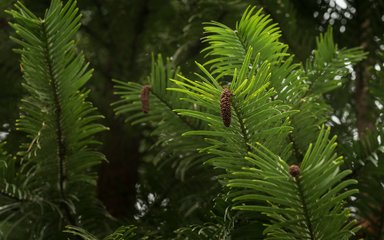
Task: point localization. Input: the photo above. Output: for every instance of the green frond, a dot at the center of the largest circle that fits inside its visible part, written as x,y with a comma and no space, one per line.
307,204
249,95
175,155
17,195
329,66
220,224
55,114
237,150
129,232
369,201
124,233
206,232
54,74
255,117
166,124
326,70
365,156
228,48
224,224
80,232
313,113
161,102
253,30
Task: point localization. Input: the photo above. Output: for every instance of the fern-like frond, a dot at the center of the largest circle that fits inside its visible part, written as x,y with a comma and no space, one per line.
152,106
129,232
160,101
55,114
370,201
329,65
80,232
255,117
166,124
366,157
228,49
304,202
124,233
17,195
206,232
313,113
326,70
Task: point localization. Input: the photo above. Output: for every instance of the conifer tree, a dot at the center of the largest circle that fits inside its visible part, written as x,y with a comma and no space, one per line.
248,137
50,182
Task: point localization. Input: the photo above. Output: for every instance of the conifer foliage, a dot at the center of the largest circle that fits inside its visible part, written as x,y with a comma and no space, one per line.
49,183
249,127
252,138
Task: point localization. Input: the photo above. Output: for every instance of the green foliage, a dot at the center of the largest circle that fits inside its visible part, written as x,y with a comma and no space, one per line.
365,159
307,206
229,48
329,65
255,118
208,231
241,148
51,182
262,104
173,151
122,233
166,124
325,70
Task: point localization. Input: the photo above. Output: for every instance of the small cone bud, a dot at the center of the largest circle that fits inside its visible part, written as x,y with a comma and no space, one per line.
144,97
225,105
294,170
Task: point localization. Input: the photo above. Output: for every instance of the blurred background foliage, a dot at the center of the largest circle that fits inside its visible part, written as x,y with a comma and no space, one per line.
118,38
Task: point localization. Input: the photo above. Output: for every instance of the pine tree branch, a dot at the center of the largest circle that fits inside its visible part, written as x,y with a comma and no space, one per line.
10,196
17,194
305,209
58,115
242,128
170,108
61,144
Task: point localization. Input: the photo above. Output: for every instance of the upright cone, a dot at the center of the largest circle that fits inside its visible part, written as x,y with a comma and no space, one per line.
225,105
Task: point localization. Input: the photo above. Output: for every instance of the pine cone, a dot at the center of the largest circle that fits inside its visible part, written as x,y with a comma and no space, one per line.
144,97
225,105
294,170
